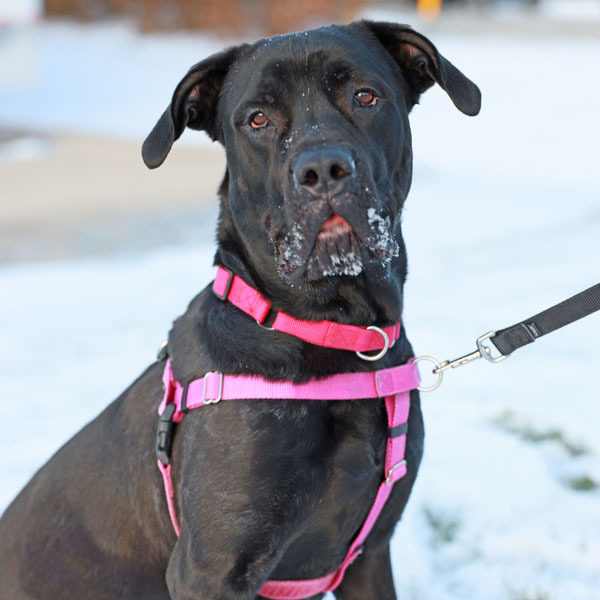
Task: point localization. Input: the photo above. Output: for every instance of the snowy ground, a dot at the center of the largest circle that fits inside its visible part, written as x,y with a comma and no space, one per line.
503,220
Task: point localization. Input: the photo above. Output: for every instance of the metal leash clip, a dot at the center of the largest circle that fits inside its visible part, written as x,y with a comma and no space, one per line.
482,351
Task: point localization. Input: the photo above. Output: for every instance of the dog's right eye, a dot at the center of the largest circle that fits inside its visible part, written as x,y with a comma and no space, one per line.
258,120
366,98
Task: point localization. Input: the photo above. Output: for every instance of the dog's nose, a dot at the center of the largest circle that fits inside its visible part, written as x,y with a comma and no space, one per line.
324,170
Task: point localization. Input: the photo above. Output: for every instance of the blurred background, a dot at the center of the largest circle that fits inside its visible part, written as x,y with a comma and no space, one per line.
98,255
83,81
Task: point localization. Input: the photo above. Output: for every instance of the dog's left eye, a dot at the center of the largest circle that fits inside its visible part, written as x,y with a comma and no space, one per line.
258,120
366,98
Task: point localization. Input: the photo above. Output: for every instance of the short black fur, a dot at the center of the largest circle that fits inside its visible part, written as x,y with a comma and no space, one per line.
264,489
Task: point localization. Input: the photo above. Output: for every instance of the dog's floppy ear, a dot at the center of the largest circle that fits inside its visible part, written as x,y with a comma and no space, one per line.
423,65
194,105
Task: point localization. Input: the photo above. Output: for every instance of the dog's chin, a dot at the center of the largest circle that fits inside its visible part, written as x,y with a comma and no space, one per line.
335,250
332,251
333,254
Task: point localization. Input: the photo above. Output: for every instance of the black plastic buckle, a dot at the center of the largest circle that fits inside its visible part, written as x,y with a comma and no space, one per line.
227,286
164,435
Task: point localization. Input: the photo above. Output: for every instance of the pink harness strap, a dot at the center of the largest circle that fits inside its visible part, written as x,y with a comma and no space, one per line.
329,334
215,387
394,384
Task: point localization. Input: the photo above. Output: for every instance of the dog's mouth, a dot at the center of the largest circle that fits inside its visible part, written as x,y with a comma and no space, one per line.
335,251
334,226
338,245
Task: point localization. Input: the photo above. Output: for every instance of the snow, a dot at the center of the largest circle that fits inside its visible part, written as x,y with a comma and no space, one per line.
103,80
382,239
22,12
503,221
24,148
571,10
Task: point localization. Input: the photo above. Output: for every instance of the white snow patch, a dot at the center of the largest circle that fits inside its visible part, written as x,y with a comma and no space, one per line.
349,263
379,224
24,148
292,243
382,238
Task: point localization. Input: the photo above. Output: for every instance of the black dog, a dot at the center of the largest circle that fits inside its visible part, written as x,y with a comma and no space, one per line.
319,163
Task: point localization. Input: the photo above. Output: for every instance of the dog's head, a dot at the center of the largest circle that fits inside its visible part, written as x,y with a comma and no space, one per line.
318,144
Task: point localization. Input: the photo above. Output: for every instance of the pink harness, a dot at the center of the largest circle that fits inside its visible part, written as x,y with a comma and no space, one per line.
393,384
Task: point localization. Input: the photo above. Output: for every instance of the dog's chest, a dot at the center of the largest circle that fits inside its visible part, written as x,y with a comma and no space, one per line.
344,467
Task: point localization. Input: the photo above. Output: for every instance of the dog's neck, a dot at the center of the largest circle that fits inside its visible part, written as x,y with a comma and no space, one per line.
216,336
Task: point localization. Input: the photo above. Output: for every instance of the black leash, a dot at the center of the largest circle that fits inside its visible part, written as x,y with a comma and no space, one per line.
509,339
581,305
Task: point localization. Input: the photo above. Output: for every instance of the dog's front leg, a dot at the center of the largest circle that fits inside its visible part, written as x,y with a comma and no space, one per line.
368,578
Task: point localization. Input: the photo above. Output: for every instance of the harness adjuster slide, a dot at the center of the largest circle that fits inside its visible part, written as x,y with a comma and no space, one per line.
219,393
164,435
223,296
388,479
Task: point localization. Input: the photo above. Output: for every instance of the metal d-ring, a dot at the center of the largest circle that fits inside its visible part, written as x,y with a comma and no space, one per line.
382,352
438,370
264,326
